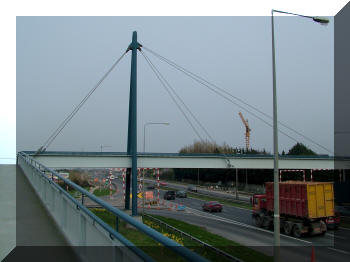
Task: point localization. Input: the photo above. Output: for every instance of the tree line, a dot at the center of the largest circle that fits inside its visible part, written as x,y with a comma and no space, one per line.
207,147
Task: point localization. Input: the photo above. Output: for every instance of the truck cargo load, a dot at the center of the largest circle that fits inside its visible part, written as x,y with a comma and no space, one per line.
303,199
305,207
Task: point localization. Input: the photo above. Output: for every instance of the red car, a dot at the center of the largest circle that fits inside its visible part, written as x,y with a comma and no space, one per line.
333,222
212,206
163,184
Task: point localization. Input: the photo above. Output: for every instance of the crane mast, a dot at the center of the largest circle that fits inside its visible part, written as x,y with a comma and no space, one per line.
247,131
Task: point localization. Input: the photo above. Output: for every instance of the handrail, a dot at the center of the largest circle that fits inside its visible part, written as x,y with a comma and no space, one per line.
176,247
95,218
208,155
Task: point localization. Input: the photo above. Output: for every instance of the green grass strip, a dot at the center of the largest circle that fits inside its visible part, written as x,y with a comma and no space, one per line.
159,252
102,192
151,247
235,249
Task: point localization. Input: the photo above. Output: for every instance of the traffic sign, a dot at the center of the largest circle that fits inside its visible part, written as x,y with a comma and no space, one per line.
149,194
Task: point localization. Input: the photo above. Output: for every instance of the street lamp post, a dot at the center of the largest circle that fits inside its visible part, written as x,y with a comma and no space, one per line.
144,131
276,220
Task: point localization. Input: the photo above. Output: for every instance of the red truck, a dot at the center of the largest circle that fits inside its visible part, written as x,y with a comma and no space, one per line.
305,207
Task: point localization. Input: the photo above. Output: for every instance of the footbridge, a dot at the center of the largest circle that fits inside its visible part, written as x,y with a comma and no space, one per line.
173,160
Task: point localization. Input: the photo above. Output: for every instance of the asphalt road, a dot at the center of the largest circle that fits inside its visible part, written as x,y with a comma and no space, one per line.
236,224
221,194
292,250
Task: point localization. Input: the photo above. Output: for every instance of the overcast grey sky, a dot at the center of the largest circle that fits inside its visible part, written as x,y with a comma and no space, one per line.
59,59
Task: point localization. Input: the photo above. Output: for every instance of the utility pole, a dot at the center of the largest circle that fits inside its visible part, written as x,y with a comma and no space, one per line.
276,220
143,192
198,176
276,206
132,129
236,183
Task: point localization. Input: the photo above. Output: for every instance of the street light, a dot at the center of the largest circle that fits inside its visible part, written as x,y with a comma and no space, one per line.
144,131
276,220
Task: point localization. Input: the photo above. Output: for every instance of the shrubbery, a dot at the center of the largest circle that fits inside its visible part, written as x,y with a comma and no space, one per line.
80,179
213,148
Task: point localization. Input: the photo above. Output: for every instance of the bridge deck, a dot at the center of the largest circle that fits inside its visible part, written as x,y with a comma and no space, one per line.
173,160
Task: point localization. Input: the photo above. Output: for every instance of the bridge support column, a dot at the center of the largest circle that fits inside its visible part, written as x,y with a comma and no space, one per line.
132,128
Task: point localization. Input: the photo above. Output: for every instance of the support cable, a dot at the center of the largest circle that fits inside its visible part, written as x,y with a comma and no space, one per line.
160,78
212,87
76,109
180,99
156,71
230,100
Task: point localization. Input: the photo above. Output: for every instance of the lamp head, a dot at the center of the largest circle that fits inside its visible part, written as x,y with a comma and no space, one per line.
321,20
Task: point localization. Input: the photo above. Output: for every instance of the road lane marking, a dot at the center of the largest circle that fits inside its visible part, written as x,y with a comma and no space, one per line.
200,213
339,251
345,228
332,235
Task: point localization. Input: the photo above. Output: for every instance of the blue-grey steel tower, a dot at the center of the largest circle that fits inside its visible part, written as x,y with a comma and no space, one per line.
132,128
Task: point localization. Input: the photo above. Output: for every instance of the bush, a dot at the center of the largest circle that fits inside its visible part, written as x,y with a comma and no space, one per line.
79,179
213,148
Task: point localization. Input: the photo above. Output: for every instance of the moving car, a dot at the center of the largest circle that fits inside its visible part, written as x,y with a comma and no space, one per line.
192,189
181,193
212,206
169,195
150,187
163,184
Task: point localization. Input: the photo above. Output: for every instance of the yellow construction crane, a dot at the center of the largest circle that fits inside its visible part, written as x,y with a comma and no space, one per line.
247,130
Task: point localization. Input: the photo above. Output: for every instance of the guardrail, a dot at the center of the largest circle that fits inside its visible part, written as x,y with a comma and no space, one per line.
81,227
220,252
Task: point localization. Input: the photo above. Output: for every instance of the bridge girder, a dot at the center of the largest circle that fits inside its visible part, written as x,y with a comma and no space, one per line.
163,160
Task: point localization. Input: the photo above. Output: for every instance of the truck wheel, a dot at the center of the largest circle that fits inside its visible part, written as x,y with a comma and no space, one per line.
258,221
296,231
287,228
267,223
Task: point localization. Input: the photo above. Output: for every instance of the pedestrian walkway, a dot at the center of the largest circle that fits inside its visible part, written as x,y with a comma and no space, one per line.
8,209
36,231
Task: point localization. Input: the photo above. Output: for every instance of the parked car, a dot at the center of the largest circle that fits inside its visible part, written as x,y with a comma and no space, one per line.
150,187
181,194
169,195
212,206
163,184
192,189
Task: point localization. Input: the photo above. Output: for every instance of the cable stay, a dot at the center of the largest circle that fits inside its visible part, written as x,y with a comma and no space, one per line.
76,109
222,92
230,100
167,86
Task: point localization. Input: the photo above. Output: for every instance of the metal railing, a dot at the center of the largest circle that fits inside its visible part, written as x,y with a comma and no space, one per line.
218,251
81,226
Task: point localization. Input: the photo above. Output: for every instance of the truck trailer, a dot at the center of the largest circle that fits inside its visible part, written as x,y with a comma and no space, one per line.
305,207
